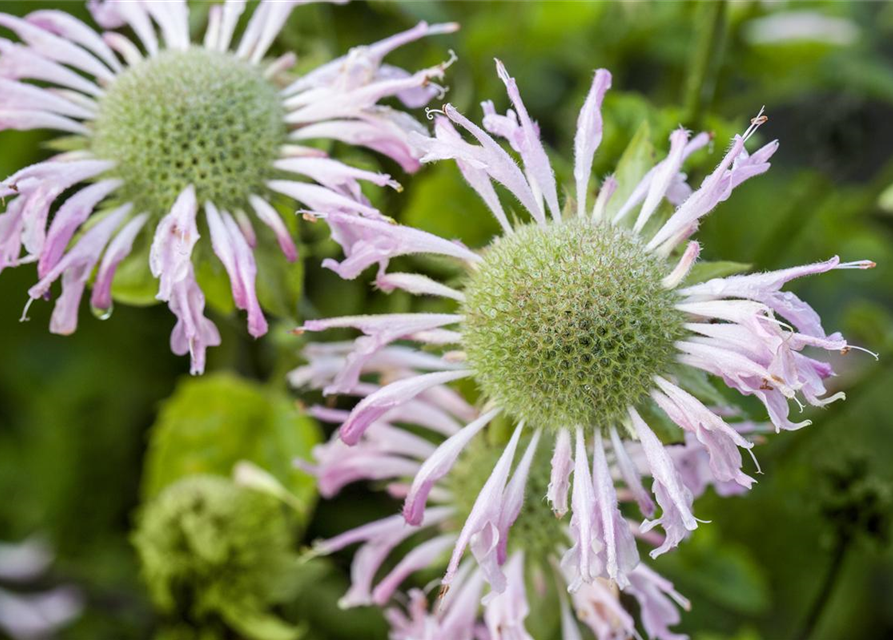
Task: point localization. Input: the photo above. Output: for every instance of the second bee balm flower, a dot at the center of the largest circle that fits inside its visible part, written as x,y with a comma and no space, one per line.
578,326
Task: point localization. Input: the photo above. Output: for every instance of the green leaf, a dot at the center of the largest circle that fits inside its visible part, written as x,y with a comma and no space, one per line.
279,282
211,423
441,203
255,625
721,572
134,284
706,270
635,162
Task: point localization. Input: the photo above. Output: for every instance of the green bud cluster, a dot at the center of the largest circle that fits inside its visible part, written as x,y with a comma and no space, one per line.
190,117
213,550
568,324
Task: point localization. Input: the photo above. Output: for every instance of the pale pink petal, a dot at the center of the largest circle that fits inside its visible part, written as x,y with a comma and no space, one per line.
720,440
172,16
562,466
630,474
506,611
619,554
421,557
27,119
387,398
111,14
367,242
716,187
193,333
118,249
672,495
51,46
175,237
68,27
231,247
589,135
18,62
417,285
656,597
480,528
384,130
536,162
320,198
270,217
18,96
686,262
69,217
663,177
513,500
499,165
75,268
438,465
579,562
380,330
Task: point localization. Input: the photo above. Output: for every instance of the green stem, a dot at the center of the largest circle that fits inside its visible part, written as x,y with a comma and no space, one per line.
705,63
824,595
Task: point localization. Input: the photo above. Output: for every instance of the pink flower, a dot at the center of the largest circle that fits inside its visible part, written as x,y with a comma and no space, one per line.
576,327
124,103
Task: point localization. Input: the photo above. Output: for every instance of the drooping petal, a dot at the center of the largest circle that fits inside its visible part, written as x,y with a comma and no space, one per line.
656,597
619,555
68,219
438,465
672,495
231,247
193,333
513,500
270,217
562,466
75,268
175,236
505,611
367,242
387,398
579,561
481,527
118,249
421,557
630,475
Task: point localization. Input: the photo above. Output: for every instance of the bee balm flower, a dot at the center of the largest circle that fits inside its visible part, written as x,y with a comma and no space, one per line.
580,329
164,130
390,453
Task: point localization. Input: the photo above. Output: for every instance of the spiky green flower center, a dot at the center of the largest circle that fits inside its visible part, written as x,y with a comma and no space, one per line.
568,324
190,117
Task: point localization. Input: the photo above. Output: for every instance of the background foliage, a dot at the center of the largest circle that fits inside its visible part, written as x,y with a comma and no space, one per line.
92,424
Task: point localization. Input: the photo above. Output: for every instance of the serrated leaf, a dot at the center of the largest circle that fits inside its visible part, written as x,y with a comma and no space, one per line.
211,423
706,270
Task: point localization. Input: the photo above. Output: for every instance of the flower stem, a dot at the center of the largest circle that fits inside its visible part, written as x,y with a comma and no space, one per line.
818,606
705,62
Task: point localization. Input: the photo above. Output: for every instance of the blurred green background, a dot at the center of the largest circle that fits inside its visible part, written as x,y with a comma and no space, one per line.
92,424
